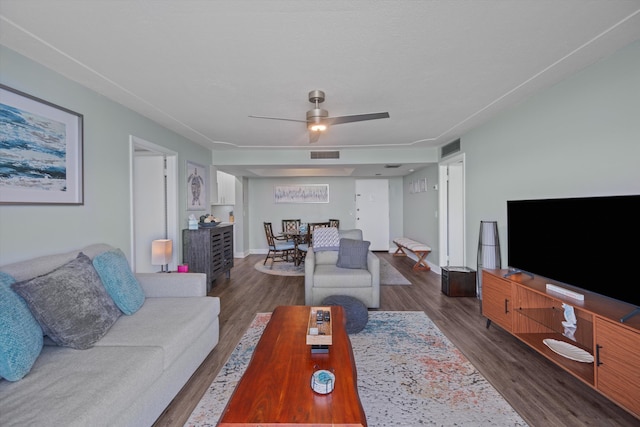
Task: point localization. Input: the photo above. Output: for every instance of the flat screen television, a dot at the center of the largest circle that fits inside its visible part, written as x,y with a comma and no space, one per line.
592,243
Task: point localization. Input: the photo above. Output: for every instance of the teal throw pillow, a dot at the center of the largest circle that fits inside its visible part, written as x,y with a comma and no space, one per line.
119,280
20,333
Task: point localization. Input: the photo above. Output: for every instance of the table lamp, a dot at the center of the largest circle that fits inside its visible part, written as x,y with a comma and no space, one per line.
161,253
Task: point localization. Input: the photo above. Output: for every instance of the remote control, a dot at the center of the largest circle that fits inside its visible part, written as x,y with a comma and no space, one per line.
327,316
319,316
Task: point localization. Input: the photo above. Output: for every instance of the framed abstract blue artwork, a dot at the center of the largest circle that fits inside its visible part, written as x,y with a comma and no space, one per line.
40,151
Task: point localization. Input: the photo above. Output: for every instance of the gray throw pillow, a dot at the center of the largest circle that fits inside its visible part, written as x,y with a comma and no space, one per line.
70,303
353,253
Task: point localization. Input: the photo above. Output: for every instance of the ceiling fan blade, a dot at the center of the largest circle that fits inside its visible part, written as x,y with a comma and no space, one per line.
314,136
356,118
278,118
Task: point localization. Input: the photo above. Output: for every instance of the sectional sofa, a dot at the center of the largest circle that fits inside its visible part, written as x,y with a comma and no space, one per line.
138,363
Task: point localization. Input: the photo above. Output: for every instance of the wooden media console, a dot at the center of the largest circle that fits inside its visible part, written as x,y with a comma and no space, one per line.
524,307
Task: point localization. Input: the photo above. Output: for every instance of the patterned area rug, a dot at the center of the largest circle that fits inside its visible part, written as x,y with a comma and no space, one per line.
409,374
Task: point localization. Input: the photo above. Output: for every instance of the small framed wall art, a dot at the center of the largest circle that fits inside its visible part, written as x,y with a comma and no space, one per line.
197,187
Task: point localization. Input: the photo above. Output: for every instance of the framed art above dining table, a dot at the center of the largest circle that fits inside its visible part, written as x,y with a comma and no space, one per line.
303,193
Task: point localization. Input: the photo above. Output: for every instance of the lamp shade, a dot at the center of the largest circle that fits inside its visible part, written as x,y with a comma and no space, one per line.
161,251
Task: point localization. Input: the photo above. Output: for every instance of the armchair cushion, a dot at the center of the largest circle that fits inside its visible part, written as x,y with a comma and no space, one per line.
353,253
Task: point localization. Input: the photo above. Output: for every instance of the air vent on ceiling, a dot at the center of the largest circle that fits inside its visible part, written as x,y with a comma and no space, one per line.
392,166
450,148
325,154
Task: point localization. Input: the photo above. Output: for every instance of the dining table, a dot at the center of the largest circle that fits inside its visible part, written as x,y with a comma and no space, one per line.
298,237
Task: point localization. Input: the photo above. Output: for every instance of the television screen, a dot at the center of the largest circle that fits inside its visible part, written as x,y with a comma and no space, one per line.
592,243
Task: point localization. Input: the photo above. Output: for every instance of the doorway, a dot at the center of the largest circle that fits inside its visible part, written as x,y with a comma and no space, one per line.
372,212
153,201
452,212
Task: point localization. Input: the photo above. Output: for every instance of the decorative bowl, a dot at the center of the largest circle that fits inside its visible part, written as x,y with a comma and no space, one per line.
208,224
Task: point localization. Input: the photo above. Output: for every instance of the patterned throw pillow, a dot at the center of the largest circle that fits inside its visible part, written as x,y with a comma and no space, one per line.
20,333
119,280
353,253
326,239
70,303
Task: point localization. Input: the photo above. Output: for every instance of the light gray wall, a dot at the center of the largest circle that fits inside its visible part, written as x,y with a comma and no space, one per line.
420,211
579,138
341,206
28,231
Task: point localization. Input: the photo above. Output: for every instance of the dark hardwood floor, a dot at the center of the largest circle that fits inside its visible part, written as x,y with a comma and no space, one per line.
543,394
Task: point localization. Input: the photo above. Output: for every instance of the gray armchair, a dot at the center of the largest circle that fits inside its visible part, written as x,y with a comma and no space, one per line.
323,278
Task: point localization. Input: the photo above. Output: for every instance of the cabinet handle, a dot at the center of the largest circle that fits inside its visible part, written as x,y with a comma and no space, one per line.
506,305
598,362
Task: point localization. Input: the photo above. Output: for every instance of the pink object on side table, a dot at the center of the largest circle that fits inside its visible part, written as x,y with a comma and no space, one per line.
183,268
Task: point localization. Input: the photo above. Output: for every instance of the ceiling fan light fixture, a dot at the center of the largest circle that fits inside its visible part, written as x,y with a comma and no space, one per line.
315,119
317,128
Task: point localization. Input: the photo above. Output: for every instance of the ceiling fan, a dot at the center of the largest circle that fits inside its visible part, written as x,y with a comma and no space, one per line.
318,119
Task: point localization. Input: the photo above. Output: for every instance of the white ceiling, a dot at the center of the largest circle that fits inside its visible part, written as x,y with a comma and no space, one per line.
201,67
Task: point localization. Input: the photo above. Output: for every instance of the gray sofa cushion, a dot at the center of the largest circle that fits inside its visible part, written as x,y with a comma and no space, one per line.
68,387
168,323
29,269
353,253
70,303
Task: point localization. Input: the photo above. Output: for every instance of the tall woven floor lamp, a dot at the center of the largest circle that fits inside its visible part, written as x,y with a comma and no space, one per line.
488,252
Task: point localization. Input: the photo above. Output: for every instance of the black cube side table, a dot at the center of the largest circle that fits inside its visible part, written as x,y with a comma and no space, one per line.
458,281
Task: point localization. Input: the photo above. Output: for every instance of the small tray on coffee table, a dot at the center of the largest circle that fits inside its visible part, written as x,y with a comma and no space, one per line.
319,327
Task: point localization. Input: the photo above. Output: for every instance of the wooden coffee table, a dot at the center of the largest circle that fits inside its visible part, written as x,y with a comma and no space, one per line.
275,390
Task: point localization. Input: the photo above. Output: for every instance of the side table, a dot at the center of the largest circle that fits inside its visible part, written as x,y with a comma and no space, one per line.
458,281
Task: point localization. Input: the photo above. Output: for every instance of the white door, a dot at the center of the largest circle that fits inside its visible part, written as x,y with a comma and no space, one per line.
452,219
456,215
372,212
154,213
149,203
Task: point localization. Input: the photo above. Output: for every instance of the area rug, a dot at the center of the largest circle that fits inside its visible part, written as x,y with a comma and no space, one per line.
409,374
280,268
390,276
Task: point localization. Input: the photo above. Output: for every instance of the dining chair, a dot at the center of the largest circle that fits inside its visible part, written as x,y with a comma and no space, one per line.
290,224
278,250
334,223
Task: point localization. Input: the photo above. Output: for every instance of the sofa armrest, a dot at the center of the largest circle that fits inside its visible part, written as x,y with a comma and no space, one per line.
309,269
373,265
173,284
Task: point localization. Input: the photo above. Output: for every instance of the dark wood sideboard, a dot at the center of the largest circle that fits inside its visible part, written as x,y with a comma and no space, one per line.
209,251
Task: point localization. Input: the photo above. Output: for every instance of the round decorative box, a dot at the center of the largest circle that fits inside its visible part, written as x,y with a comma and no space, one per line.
322,381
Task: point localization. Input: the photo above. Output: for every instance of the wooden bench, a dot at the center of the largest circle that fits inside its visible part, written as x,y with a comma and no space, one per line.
420,249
